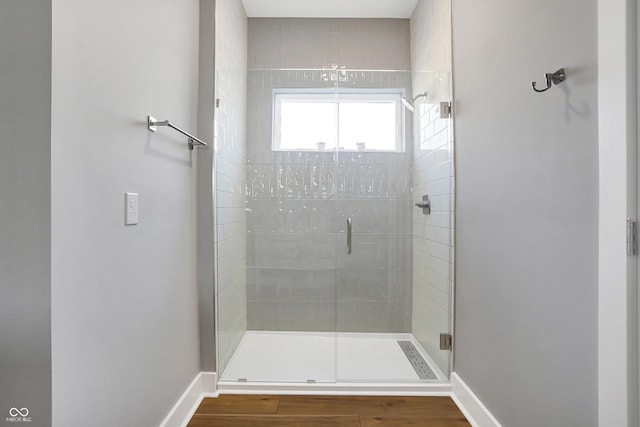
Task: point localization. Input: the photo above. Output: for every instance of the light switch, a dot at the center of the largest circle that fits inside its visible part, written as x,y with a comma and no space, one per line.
130,208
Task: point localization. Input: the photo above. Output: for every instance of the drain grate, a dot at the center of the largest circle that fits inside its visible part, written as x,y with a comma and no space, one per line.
417,361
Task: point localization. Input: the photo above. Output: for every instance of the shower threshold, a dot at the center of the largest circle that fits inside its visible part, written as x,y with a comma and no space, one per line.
331,363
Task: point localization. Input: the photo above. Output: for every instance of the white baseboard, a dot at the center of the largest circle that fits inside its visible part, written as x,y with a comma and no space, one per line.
472,408
203,385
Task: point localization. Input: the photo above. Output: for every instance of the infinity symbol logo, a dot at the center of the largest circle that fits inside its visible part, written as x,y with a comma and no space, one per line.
14,412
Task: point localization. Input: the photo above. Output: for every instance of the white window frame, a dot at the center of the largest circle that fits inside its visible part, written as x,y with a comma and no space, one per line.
339,97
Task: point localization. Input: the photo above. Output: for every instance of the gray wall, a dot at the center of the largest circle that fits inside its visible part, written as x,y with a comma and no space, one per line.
527,200
124,299
432,175
298,202
25,213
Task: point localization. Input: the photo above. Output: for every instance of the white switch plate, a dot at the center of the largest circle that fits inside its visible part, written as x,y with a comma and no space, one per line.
130,208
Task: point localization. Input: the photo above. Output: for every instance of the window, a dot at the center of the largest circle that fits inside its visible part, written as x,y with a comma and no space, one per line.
311,120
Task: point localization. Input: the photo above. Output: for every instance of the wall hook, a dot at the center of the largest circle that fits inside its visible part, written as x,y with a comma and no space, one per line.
552,78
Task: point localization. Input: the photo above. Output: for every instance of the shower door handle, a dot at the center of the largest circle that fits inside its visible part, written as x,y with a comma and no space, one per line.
349,229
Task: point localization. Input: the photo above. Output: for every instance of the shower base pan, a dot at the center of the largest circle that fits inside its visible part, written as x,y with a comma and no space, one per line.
317,362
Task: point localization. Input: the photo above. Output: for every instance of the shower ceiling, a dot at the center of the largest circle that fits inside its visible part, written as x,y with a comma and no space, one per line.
329,8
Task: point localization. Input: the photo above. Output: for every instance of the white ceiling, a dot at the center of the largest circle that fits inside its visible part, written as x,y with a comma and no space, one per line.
329,8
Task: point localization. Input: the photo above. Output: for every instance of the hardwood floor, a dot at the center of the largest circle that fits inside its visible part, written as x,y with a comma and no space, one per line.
231,410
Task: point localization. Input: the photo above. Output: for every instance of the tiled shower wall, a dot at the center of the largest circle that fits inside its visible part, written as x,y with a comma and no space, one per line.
299,276
433,175
230,176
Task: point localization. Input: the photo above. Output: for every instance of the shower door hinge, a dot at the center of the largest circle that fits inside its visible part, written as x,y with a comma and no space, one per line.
632,237
446,341
445,109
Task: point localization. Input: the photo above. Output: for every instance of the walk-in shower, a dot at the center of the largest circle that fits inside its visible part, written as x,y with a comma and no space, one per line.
327,272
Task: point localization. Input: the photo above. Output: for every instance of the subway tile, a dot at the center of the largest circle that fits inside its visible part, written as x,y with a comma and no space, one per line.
400,250
400,316
366,250
306,284
401,285
294,249
262,284
319,316
363,316
368,216
291,216
263,315
438,266
401,215
363,284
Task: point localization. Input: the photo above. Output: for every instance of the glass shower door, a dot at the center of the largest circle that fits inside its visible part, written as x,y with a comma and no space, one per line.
393,280
433,228
289,231
374,197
